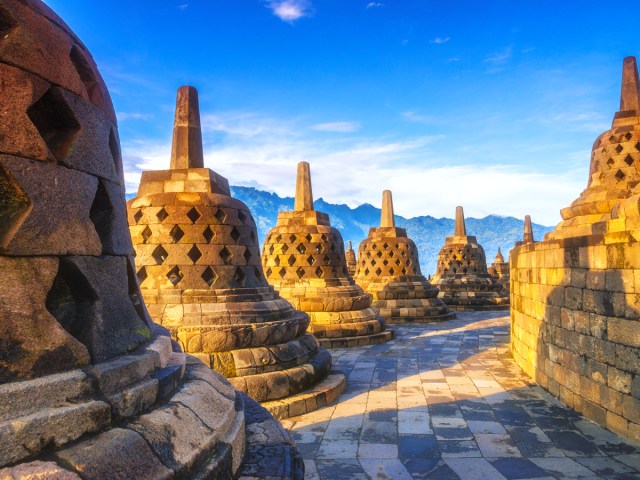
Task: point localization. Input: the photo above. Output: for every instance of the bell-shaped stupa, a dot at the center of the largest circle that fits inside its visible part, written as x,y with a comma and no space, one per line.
462,275
304,259
615,158
389,269
200,274
89,387
352,261
499,270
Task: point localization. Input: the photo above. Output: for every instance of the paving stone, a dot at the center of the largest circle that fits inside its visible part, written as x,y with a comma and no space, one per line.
516,468
385,469
474,469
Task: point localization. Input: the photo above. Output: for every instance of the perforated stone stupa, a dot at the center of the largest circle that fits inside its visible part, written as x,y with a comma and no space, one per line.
389,269
462,275
200,274
499,270
575,312
303,257
352,261
89,387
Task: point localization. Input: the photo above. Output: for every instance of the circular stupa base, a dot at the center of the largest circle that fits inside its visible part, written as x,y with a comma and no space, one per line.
478,308
394,317
360,341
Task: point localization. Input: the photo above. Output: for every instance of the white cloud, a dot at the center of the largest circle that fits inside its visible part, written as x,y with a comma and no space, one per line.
375,4
499,58
184,6
290,10
453,59
338,127
429,175
416,117
124,116
440,40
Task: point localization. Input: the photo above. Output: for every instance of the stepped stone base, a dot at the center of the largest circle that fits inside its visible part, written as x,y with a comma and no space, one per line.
398,319
350,342
477,308
317,397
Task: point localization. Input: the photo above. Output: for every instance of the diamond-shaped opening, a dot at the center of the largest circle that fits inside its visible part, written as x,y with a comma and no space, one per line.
619,148
225,255
194,215
269,272
142,275
235,234
385,246
378,271
247,255
610,161
301,248
271,249
101,214
333,247
628,160
291,261
277,261
175,275
7,23
146,234
239,277
55,122
138,216
308,237
628,136
638,146
209,276
319,248
220,215
326,260
319,272
404,271
194,254
114,148
253,236
87,76
292,238
162,215
379,254
282,272
311,260
300,272
176,233
391,254
323,238
159,255
620,175
278,238
385,262
612,139
208,234
398,261
392,271
241,216
373,263
285,248
258,273
368,254
366,271
403,253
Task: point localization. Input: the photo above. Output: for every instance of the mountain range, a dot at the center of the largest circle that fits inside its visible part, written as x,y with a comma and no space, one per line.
427,232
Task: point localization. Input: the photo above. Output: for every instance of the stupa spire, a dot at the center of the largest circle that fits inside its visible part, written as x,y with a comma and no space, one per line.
461,229
186,148
528,230
630,91
304,194
350,247
386,218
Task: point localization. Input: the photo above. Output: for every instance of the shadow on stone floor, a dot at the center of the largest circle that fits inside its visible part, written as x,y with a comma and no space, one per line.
446,401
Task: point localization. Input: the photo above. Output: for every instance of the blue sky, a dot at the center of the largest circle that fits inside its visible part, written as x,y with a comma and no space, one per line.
492,104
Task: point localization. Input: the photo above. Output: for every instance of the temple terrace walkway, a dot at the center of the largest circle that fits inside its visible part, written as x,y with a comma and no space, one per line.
446,401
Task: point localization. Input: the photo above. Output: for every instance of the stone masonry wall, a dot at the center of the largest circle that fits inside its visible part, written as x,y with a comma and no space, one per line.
575,324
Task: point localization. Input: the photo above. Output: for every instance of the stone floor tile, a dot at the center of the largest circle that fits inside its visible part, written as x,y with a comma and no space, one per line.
459,449
604,466
474,469
378,450
338,449
479,426
563,467
345,469
518,468
418,446
496,445
385,469
310,470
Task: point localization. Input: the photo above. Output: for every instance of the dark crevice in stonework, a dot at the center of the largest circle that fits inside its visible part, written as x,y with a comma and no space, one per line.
55,122
114,147
101,214
71,301
14,206
134,291
7,23
87,76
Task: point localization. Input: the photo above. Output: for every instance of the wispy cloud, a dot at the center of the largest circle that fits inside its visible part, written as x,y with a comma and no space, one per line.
416,117
440,40
124,116
338,127
499,58
453,59
184,6
290,10
375,4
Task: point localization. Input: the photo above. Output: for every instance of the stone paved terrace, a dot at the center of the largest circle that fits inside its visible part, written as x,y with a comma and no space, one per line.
446,401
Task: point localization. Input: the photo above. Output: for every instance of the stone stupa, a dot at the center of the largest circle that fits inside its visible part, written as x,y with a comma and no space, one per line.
462,275
89,387
499,270
389,269
527,235
303,258
352,261
575,312
200,274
